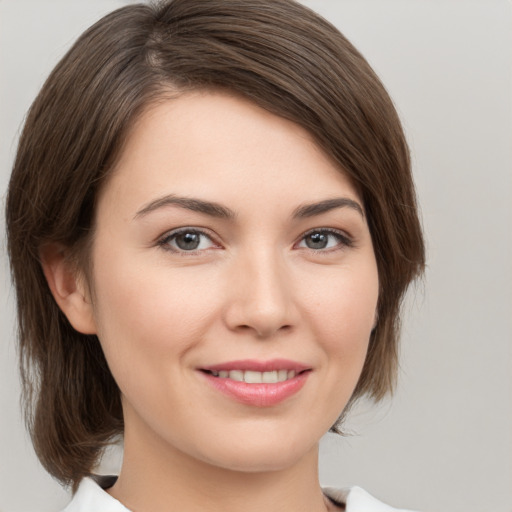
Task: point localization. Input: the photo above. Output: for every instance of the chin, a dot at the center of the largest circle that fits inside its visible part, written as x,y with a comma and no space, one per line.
255,453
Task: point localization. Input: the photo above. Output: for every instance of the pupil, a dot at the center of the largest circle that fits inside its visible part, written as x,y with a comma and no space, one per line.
188,241
317,241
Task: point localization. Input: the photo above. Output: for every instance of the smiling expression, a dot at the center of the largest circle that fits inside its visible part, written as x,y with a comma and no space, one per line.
234,284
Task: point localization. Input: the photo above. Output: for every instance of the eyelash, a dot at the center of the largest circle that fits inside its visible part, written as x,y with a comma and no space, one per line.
164,242
342,238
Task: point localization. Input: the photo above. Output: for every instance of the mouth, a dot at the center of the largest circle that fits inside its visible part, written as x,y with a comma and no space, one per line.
256,383
255,377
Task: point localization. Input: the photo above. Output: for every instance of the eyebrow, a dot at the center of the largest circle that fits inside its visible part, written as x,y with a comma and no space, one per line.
310,210
217,210
197,205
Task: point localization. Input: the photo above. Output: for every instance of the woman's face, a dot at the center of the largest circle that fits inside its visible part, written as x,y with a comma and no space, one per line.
235,285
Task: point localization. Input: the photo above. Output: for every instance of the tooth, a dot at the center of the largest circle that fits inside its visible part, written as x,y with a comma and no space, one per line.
236,375
252,377
269,377
282,375
215,374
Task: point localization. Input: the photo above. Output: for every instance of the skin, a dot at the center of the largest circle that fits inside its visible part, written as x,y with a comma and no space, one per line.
252,290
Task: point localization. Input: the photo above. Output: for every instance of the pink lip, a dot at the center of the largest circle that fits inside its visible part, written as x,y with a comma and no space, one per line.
257,366
258,395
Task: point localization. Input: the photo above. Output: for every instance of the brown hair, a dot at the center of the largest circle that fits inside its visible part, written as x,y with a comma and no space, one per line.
276,53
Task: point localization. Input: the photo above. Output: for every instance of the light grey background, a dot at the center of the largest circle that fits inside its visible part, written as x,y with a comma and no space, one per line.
445,442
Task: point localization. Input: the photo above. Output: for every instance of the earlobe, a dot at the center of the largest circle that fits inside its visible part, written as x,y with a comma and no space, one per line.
68,288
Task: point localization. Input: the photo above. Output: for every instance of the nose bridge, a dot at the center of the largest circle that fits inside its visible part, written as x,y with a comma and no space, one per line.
261,298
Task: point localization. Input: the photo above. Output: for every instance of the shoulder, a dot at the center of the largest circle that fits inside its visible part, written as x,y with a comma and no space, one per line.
90,497
355,499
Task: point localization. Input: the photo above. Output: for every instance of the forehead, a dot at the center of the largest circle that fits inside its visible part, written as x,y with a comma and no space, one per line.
223,147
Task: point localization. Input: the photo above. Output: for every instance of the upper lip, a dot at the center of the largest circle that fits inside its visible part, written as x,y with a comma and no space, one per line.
257,365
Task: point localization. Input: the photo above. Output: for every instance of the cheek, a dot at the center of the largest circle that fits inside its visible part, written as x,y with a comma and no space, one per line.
343,315
343,304
149,313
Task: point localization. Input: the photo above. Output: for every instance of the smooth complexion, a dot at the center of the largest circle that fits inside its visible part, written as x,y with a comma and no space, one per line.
225,241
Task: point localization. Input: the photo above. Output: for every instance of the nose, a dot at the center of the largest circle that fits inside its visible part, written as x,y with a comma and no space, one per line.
260,296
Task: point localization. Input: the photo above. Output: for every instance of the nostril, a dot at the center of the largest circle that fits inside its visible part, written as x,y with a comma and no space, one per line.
263,316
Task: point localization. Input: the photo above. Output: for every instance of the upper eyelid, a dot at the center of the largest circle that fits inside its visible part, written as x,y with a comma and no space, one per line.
193,229
340,232
326,230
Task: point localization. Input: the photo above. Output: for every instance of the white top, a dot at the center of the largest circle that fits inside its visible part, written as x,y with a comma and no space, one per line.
90,497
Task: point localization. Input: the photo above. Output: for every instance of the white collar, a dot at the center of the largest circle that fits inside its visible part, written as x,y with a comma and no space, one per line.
356,499
90,497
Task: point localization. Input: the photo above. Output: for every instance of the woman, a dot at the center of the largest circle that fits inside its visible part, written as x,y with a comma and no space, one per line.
211,224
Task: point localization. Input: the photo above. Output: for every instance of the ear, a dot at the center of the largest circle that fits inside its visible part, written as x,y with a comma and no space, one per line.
68,288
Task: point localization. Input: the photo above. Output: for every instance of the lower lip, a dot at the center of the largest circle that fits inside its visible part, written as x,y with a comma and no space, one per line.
258,395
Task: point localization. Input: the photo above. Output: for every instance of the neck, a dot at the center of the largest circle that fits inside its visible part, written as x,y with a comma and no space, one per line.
159,478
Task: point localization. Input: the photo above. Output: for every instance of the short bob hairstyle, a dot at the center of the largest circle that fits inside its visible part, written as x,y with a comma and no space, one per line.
277,54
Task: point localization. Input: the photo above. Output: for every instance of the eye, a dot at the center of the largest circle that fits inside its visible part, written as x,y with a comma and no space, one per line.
322,239
187,240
